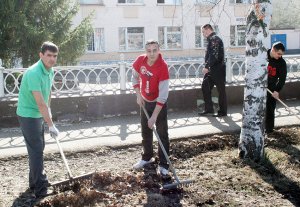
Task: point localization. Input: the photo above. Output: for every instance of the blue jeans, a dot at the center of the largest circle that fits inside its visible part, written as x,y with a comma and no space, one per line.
33,132
162,130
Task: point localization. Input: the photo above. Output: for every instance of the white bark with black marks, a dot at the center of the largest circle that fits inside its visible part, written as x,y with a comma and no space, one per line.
251,143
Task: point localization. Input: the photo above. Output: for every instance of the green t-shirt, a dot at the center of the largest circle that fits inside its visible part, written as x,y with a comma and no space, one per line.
36,78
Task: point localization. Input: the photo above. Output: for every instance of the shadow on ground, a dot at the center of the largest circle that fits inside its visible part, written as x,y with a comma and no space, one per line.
283,142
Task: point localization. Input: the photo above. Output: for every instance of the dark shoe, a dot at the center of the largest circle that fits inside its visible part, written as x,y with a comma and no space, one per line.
44,194
29,190
206,113
219,115
269,131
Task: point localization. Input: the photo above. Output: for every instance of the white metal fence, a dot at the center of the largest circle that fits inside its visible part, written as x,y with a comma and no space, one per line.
116,78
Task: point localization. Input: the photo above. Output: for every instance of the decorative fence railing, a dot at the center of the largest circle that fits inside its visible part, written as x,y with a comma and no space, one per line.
115,78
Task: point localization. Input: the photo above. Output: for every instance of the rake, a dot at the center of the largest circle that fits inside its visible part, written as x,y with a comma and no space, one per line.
286,106
72,182
178,182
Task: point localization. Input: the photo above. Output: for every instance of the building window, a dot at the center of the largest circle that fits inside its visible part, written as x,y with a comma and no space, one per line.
96,41
198,37
206,2
170,37
169,2
238,35
131,38
240,1
130,1
91,1
200,40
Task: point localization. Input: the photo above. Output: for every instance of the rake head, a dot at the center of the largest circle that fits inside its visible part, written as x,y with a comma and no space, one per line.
176,184
73,183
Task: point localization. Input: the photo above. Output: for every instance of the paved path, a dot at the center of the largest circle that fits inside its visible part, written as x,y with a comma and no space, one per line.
125,130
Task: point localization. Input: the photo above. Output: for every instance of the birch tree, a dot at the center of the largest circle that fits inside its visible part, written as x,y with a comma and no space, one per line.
251,143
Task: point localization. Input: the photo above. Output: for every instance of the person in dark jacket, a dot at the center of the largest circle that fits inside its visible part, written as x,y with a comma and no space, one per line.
214,73
276,79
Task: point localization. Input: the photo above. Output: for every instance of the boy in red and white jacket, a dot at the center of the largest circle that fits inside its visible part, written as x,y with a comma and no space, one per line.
150,79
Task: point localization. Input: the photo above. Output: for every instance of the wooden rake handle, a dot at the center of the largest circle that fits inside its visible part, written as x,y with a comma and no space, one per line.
286,106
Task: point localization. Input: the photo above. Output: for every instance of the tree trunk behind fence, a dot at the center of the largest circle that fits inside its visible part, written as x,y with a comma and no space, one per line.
251,143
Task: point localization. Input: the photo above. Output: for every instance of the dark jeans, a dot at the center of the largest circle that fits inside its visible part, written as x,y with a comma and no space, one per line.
270,113
207,85
33,132
162,130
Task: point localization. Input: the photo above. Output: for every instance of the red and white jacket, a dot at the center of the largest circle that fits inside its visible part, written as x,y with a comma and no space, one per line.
153,81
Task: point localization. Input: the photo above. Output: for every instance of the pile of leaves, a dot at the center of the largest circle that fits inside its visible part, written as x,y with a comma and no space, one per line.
113,190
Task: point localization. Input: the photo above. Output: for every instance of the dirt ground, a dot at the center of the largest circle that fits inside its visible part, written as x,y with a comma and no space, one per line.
221,179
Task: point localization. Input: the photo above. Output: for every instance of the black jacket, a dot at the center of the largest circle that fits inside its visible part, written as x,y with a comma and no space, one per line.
276,73
214,56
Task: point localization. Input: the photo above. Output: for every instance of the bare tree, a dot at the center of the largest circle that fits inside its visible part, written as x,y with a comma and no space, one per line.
251,143
286,14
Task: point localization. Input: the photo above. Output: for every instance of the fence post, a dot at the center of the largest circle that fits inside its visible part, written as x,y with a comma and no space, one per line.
122,67
228,69
1,80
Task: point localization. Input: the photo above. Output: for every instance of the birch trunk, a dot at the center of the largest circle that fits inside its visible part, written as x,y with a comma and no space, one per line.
251,143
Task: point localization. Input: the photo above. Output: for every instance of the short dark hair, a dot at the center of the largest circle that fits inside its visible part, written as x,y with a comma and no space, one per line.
151,41
278,46
207,26
49,46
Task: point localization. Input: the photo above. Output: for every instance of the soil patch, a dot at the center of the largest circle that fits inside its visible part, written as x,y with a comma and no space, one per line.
221,179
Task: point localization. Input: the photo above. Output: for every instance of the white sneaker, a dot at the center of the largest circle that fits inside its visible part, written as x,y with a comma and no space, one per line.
140,164
162,171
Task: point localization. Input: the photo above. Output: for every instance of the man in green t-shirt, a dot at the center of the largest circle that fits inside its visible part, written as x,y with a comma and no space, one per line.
33,110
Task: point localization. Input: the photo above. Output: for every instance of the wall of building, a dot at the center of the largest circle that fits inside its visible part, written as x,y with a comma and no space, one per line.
111,16
150,15
292,37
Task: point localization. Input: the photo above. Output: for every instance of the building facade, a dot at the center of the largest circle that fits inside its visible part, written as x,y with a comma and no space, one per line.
121,27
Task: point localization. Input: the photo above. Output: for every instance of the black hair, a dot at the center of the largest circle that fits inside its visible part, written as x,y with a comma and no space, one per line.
49,46
207,26
278,46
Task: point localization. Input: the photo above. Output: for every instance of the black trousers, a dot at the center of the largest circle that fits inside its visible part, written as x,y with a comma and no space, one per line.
33,132
270,113
207,85
162,130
